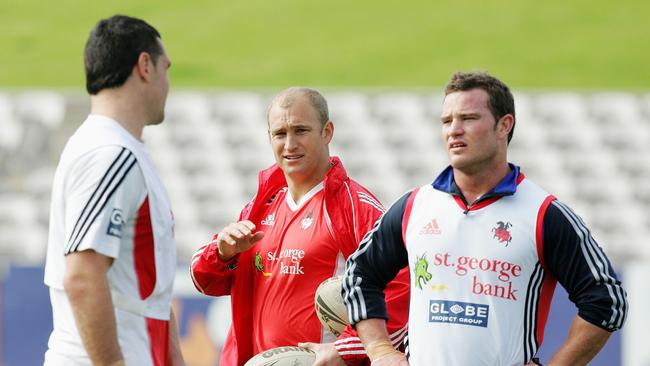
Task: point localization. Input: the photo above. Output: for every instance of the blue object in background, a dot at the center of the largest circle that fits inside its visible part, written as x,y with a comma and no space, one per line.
26,316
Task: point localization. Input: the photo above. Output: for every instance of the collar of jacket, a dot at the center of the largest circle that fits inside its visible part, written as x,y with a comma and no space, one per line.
506,187
272,179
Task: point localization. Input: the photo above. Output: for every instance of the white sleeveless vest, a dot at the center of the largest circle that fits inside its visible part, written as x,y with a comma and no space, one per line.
476,279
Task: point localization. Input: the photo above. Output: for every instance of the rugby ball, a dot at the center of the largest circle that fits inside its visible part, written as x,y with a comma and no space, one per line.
329,305
283,356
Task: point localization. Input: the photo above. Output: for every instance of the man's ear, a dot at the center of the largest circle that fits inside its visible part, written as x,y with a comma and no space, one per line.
328,131
144,66
505,125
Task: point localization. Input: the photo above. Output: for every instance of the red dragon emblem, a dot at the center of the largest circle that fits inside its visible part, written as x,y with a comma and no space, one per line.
501,232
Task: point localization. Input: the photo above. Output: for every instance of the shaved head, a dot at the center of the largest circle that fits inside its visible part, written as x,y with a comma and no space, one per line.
288,97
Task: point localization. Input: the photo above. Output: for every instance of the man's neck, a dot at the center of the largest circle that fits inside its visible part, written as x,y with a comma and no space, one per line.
299,187
122,108
298,190
473,185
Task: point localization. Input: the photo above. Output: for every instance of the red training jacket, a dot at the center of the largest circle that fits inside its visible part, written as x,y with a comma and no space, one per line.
351,220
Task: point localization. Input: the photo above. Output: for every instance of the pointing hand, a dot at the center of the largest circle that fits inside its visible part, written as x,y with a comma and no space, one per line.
236,238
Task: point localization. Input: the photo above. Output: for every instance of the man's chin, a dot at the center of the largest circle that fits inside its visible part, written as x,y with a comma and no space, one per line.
293,172
156,121
461,164
290,170
456,162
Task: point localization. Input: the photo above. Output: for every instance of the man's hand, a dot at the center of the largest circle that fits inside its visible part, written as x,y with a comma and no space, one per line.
326,354
583,343
395,359
236,238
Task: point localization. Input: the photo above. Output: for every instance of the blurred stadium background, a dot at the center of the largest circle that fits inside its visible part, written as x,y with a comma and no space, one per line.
578,70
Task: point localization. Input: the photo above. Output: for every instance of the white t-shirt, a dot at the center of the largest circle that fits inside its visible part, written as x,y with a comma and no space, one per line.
100,201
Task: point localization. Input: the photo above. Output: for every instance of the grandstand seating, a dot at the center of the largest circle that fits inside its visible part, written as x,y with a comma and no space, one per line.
591,150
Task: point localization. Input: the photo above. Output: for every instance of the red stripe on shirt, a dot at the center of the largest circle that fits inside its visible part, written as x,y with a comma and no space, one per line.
539,229
520,177
548,286
407,213
143,251
544,305
158,331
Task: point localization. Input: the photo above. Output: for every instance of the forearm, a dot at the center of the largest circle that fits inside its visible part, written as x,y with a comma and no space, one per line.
372,330
92,306
584,341
175,354
209,274
375,338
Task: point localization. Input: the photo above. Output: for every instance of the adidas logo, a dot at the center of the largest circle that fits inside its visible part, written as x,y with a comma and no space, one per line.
269,220
430,228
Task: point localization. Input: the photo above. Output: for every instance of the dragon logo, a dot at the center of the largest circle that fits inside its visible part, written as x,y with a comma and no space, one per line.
257,261
421,271
501,232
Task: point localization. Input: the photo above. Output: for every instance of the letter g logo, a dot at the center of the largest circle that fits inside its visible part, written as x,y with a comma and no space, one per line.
116,217
115,223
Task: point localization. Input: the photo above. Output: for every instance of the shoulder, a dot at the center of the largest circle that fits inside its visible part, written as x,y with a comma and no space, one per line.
563,231
358,193
103,158
530,188
263,203
559,215
401,205
109,165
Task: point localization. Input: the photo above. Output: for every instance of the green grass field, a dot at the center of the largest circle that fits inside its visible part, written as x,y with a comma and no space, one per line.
553,44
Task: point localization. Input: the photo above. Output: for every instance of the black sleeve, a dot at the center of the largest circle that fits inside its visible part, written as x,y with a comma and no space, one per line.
580,265
380,256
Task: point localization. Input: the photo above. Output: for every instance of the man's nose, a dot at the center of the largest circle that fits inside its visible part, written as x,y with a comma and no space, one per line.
456,126
290,141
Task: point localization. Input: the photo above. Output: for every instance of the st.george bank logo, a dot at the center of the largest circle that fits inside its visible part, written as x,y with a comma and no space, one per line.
502,232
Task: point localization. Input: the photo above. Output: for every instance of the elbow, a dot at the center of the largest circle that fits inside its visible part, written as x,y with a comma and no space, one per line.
79,283
621,309
606,315
84,272
196,283
74,284
624,310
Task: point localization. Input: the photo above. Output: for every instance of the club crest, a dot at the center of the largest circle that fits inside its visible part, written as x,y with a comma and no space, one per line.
502,232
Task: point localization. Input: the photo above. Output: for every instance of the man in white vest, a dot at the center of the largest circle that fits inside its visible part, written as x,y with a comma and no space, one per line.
111,255
485,247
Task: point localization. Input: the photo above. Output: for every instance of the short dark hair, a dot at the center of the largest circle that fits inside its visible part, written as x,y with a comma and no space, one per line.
501,101
113,48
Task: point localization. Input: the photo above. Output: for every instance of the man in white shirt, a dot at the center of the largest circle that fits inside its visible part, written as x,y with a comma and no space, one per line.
111,252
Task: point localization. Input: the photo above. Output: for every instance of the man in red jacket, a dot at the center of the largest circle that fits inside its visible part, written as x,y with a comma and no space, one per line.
307,217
